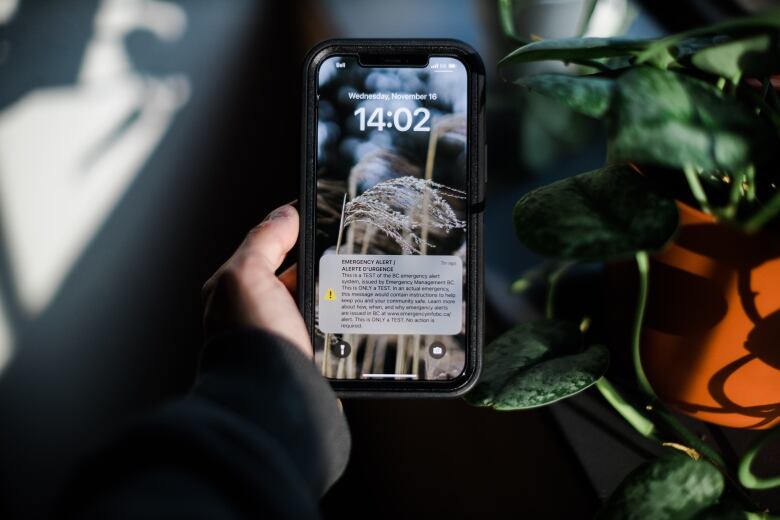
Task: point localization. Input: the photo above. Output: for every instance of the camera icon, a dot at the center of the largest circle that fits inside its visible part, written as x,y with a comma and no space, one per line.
437,350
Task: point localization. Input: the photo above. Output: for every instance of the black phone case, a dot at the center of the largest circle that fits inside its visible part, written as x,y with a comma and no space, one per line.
476,179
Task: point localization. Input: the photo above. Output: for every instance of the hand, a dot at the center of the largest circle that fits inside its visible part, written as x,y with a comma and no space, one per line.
245,291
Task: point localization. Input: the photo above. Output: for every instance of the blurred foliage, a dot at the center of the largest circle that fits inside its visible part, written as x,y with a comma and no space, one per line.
549,129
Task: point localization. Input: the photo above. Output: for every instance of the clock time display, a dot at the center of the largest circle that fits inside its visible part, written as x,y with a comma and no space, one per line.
401,119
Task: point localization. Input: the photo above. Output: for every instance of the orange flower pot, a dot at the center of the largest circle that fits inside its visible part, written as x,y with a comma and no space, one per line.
711,342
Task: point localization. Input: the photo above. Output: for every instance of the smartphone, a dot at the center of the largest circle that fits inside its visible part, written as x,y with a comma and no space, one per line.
392,193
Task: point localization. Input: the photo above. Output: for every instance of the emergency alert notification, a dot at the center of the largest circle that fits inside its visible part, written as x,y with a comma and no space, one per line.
390,294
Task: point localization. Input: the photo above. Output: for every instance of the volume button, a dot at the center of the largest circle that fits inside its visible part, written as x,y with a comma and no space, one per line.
485,163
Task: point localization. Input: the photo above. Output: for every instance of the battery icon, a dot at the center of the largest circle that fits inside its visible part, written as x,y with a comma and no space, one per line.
451,66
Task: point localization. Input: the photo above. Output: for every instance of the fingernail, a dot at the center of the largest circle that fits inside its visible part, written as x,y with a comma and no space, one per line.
280,212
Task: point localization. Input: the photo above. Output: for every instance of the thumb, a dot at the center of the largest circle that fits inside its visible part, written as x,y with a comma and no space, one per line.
273,238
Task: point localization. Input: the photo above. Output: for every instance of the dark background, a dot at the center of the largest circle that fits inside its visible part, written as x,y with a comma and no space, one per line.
122,332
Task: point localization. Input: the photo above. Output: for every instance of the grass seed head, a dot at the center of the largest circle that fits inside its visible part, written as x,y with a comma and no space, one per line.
394,205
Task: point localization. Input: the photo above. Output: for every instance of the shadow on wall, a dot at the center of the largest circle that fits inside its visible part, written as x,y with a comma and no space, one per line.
70,149
133,157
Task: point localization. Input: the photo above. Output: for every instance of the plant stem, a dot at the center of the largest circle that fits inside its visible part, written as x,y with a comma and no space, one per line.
325,349
416,353
368,235
400,355
587,14
745,177
430,160
640,423
655,407
736,180
746,477
647,427
507,20
552,283
764,215
766,84
643,265
368,356
696,189
341,224
750,178
352,191
353,340
380,354
686,435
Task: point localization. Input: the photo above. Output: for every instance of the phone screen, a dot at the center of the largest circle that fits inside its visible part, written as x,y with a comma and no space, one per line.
391,211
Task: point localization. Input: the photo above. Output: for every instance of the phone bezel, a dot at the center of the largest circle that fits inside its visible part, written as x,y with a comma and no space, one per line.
399,49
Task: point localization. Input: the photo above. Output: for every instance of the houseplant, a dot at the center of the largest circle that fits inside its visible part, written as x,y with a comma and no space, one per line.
693,125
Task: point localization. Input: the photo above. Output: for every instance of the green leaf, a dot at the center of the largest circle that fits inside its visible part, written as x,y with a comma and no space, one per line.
607,213
535,364
553,380
573,49
672,120
671,487
587,95
768,20
754,56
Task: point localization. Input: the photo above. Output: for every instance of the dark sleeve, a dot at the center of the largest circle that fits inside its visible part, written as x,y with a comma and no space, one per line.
260,436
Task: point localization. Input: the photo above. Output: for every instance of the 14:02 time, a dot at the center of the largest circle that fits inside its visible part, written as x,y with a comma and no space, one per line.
403,119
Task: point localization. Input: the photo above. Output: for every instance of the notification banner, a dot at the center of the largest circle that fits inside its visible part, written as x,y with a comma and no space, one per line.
390,294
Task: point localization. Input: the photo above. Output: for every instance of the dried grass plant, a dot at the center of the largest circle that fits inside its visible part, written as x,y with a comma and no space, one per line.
389,206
